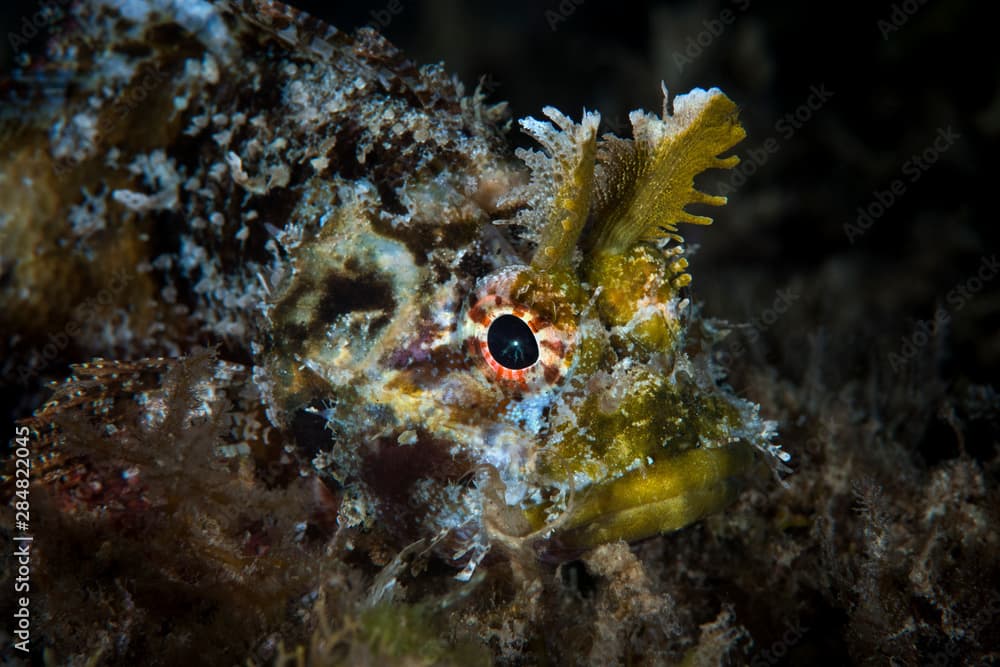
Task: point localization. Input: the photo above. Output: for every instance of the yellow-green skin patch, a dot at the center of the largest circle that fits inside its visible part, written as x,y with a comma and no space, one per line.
633,284
651,451
667,495
659,450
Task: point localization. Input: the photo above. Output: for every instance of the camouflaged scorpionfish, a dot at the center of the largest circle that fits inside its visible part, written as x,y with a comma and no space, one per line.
477,348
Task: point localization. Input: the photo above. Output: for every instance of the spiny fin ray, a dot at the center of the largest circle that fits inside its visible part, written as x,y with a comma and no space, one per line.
568,166
643,185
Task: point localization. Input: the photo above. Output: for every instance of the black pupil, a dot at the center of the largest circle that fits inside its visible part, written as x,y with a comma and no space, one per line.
512,342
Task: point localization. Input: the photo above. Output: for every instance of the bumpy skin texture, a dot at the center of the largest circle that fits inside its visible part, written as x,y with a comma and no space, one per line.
345,226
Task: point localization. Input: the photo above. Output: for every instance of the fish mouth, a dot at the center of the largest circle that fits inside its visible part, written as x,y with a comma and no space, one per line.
665,496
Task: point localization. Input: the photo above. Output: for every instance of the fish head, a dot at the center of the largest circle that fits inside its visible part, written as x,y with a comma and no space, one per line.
540,379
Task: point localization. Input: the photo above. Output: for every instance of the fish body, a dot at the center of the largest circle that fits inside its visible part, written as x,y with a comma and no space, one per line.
485,349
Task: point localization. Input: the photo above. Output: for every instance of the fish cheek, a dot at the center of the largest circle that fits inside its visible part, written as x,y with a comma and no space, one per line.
409,473
640,293
312,317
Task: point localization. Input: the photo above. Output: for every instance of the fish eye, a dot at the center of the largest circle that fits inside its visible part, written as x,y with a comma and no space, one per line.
513,345
512,342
